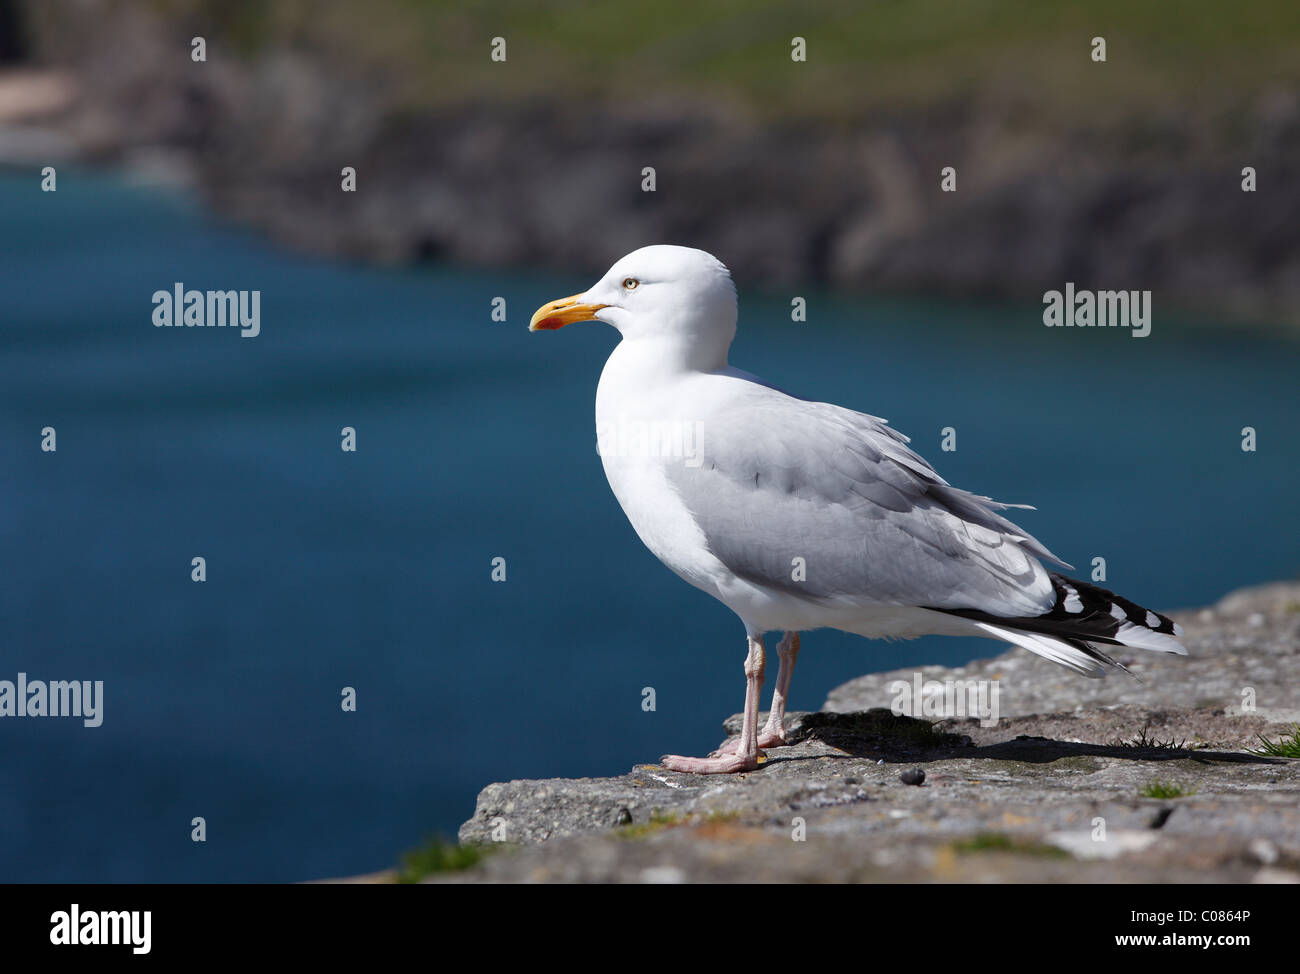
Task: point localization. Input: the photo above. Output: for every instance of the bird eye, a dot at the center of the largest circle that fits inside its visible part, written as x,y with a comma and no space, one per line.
630,283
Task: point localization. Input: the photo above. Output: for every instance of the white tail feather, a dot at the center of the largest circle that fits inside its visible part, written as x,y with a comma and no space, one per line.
1049,647
1140,637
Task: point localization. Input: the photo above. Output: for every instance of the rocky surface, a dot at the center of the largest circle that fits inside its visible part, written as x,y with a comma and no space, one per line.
1053,791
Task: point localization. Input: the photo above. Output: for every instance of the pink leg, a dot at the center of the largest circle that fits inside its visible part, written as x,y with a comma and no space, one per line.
773,733
746,756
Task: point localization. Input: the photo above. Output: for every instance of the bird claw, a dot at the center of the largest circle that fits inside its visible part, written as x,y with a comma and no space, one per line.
723,764
767,739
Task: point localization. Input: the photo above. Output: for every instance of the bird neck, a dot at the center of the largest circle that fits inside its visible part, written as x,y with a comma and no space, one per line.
670,356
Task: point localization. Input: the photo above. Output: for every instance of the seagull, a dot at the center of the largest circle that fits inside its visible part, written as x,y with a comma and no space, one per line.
798,514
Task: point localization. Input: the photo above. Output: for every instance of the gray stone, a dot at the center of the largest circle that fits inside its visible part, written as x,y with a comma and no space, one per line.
1052,792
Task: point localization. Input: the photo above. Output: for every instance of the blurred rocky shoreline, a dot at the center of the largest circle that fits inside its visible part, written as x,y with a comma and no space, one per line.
1153,203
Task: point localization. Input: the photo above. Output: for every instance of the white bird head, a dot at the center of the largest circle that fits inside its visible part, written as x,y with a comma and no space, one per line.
677,296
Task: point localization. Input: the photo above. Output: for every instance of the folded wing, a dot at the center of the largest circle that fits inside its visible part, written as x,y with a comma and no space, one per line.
782,479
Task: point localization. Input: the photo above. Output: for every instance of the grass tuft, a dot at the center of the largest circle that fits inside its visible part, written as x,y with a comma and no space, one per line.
1283,747
1164,789
1144,742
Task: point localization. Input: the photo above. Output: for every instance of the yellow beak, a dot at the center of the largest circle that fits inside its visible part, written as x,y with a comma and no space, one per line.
565,311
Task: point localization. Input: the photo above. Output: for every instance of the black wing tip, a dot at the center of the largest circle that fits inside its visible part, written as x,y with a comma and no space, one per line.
1083,613
1100,600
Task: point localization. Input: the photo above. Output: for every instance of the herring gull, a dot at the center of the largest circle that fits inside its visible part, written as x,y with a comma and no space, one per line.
798,514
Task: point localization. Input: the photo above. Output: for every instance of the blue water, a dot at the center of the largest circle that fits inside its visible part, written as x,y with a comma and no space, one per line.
476,440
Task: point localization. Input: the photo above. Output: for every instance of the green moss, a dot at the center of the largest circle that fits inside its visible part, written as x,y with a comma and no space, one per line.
668,820
657,823
1164,789
439,855
1001,842
1283,747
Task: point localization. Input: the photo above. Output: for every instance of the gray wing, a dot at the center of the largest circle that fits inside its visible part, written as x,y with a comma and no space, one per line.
781,478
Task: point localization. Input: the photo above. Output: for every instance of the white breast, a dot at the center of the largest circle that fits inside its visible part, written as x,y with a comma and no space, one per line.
640,430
